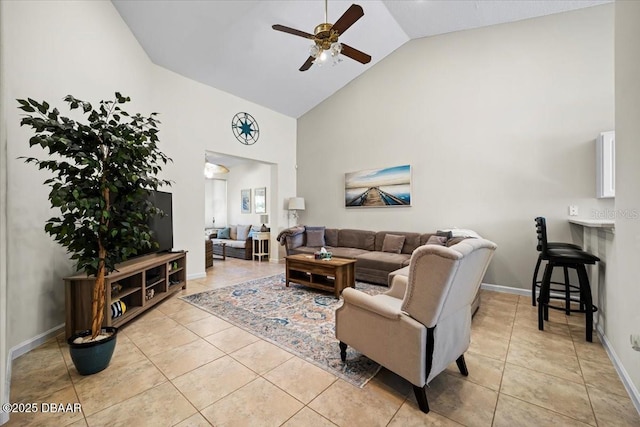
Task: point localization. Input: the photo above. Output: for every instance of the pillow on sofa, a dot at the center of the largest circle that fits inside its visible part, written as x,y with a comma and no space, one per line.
446,234
456,240
460,232
318,227
242,232
224,233
233,232
392,243
315,237
437,240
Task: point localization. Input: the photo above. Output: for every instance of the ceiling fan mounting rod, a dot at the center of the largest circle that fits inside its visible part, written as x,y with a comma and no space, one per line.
326,8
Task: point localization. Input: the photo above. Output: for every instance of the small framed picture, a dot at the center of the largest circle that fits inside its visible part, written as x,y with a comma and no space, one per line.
245,201
260,200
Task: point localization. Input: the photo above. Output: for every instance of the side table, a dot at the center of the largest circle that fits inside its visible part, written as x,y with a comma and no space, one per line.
261,245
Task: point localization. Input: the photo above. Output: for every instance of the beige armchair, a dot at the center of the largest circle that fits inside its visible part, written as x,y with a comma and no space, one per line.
423,323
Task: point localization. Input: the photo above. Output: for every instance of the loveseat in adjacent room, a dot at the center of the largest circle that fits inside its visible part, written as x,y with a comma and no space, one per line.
238,241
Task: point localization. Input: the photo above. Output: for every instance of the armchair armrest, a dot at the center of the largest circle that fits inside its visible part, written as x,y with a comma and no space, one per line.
398,286
369,303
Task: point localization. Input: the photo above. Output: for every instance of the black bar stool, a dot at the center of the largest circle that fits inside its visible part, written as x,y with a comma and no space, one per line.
567,288
565,258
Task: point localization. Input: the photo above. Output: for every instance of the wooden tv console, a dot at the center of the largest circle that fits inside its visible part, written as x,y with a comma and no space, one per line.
165,273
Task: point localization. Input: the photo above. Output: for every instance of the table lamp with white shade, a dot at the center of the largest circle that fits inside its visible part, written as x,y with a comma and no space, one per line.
296,204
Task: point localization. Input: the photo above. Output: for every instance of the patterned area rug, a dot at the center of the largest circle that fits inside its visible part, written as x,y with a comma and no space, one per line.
301,320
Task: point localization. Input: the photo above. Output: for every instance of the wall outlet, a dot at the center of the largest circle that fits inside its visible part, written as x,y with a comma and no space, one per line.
635,342
573,210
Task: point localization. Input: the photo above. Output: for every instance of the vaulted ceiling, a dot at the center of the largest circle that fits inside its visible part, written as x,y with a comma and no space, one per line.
230,45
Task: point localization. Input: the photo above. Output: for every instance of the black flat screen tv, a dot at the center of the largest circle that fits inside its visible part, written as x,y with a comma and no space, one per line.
161,225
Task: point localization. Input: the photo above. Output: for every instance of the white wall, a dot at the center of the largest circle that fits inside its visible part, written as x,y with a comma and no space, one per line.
624,296
196,118
4,349
54,49
247,176
51,49
498,124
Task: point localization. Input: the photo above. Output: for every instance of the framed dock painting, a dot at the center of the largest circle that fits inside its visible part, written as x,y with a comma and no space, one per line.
378,187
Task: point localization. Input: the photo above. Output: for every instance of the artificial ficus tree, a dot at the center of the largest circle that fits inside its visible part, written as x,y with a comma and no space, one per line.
103,171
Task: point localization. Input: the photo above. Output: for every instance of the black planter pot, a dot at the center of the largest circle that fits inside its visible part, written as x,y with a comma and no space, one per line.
92,357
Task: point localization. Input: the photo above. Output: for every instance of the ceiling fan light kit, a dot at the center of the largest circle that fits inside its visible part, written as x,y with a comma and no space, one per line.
326,46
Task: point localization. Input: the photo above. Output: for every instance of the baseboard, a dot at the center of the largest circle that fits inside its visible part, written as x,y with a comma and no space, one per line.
634,395
622,372
4,416
505,289
34,342
196,276
19,350
516,291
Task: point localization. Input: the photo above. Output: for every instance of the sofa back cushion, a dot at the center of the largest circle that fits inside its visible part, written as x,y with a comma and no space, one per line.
360,239
331,236
242,232
411,240
233,232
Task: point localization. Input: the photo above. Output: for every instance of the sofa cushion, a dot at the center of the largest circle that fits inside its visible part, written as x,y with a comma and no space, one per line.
242,232
315,238
224,233
233,232
304,250
393,243
351,253
331,236
384,261
360,239
231,243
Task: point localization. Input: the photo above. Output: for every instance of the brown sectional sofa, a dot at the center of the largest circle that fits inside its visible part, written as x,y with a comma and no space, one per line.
373,264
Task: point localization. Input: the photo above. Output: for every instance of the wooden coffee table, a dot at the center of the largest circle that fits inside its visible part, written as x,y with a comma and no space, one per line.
332,275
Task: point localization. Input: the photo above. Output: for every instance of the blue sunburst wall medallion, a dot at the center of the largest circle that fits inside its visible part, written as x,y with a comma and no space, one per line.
245,128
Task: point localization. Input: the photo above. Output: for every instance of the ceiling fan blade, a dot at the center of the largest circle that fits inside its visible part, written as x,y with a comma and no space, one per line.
348,18
307,64
352,53
293,31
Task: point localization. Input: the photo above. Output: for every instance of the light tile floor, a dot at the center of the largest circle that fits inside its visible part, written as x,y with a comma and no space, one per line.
180,366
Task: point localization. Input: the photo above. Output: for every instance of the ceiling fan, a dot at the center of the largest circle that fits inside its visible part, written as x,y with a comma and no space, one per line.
325,38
